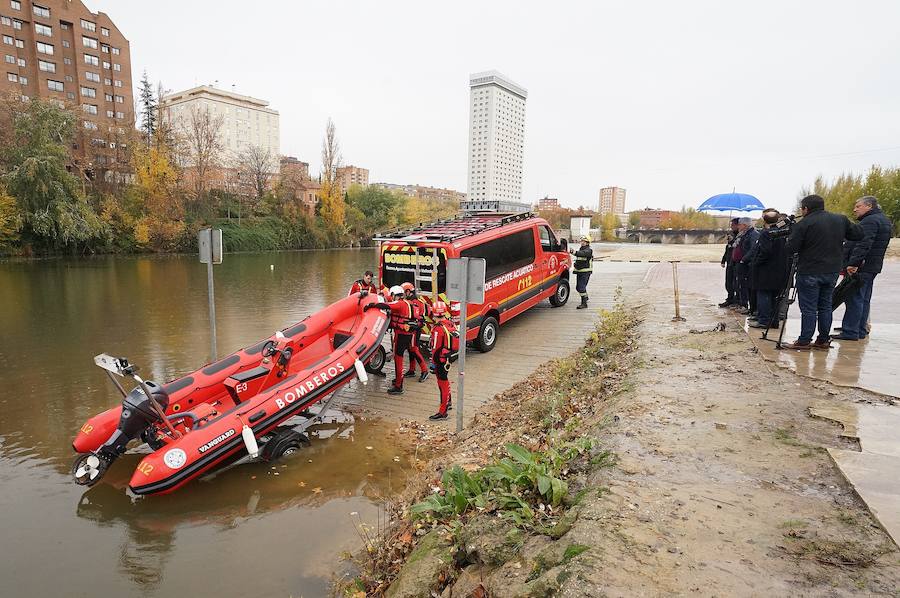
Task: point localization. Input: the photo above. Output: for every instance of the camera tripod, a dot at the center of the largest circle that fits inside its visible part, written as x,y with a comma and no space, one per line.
787,296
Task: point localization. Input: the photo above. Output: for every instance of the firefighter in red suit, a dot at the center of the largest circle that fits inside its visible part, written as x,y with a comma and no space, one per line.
420,309
364,284
403,322
443,339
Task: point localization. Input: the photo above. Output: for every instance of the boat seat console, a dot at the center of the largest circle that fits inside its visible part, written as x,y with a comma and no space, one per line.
247,383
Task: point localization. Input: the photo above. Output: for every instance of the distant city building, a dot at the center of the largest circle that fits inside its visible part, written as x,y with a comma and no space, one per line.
548,203
246,120
352,175
294,167
59,50
298,186
424,192
579,226
612,200
651,218
496,138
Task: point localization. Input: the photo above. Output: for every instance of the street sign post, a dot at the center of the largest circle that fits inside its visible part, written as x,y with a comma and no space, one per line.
465,283
209,240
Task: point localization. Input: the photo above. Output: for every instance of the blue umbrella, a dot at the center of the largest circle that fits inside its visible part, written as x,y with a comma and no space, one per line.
725,202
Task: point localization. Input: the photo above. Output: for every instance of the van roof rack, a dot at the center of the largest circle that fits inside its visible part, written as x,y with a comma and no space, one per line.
452,228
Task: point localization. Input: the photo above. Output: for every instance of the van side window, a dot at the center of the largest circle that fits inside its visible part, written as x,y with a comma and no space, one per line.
548,239
504,254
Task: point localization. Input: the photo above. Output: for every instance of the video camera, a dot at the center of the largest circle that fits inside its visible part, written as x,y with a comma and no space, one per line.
783,227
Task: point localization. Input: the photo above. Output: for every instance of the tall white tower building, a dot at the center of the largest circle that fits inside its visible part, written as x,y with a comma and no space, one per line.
496,138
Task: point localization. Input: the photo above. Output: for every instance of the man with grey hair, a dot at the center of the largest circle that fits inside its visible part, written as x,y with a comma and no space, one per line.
864,259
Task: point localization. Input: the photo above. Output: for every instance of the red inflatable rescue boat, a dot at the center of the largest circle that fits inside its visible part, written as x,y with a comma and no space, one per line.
237,408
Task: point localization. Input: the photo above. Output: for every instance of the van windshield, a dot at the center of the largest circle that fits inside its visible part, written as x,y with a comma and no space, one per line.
399,266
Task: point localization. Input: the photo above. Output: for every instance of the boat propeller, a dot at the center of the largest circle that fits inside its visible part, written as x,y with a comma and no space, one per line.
88,469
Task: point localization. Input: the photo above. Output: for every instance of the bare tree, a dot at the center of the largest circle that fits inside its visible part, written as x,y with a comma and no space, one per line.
331,154
204,145
257,166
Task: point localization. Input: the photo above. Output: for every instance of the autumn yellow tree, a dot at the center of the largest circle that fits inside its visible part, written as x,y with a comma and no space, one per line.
332,208
162,221
10,220
609,222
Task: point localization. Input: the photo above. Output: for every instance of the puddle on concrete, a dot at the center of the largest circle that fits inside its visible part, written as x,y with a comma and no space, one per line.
874,471
868,364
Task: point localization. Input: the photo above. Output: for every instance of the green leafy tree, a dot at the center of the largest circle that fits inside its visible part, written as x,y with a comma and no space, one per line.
55,215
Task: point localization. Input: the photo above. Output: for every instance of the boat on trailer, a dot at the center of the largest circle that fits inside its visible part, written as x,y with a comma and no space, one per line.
253,404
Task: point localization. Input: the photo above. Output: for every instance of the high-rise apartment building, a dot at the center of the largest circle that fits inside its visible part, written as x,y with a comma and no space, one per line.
496,138
612,200
60,50
246,120
352,175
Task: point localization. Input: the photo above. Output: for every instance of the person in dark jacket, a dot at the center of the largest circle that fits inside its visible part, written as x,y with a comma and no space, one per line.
817,240
728,264
584,265
770,272
746,246
864,260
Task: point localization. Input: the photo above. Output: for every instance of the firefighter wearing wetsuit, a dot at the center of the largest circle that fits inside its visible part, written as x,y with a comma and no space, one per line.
584,260
442,340
364,284
420,307
402,322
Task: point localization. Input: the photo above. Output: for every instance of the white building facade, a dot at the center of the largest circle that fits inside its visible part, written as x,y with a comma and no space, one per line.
245,120
496,137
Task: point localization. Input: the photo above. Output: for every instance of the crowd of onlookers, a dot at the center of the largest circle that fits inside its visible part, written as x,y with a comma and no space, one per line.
811,254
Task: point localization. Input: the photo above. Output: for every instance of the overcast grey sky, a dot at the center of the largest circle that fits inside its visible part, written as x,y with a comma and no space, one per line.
675,101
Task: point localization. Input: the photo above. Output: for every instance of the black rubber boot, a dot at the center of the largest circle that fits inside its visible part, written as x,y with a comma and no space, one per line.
584,300
395,390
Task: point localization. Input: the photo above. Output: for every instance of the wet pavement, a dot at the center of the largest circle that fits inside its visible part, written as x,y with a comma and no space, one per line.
524,343
869,364
874,470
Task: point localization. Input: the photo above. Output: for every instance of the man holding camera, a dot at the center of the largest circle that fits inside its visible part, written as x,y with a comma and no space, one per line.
864,260
770,271
817,239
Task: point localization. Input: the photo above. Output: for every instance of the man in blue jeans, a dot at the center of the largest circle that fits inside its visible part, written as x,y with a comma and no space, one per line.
818,240
864,259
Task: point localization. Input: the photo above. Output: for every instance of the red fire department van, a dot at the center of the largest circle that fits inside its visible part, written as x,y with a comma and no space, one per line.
525,264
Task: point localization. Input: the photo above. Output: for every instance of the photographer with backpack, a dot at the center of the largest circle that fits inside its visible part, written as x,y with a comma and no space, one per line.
444,351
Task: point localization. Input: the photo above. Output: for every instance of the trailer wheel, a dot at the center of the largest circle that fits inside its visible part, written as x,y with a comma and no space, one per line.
376,364
561,295
487,334
284,442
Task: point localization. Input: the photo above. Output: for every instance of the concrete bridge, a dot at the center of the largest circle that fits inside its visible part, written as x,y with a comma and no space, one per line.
668,236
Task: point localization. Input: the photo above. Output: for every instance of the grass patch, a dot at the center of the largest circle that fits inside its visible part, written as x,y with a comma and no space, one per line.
793,523
574,550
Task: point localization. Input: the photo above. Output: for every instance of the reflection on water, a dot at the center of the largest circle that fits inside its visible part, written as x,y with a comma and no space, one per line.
261,529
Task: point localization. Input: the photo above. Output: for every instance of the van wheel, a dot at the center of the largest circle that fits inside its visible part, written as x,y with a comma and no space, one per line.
487,334
561,296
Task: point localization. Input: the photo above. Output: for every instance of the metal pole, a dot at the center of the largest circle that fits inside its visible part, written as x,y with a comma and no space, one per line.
460,382
212,300
677,317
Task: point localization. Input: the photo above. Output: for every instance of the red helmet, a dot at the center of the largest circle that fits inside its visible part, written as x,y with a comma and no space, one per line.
439,308
408,287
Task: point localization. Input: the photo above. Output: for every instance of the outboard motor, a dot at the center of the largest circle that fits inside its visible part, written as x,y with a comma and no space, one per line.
136,422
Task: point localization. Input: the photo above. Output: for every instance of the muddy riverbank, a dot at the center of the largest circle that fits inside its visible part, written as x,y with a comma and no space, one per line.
720,486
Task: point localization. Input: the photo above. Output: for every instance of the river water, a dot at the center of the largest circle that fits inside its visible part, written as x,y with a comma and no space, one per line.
258,529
